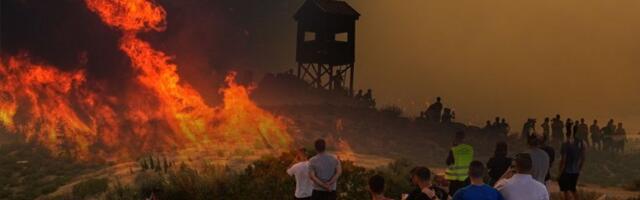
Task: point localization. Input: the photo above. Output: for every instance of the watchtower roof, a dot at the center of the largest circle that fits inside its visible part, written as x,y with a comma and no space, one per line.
330,7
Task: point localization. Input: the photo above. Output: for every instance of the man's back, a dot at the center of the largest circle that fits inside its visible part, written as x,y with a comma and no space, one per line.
552,156
572,152
540,164
522,187
304,185
477,192
324,165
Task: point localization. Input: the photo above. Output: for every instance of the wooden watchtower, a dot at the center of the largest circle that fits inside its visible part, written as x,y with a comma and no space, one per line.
325,49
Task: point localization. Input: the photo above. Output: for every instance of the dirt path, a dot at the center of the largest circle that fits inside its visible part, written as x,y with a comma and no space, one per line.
120,171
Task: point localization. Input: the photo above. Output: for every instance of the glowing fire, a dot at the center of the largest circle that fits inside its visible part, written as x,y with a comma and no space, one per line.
59,110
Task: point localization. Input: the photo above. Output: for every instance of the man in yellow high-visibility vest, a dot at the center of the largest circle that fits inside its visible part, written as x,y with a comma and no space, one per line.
460,156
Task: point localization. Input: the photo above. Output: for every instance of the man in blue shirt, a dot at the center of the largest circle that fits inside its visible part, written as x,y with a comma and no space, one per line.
477,190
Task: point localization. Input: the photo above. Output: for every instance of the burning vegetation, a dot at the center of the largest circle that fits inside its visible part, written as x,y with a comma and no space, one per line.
64,113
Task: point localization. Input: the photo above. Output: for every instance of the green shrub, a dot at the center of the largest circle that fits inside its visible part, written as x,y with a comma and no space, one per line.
265,178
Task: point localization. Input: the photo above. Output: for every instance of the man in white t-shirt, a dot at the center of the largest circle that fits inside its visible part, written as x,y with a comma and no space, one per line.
518,184
300,170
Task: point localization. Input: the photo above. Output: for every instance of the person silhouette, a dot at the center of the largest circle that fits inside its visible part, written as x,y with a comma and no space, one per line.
569,127
607,135
359,96
434,111
619,139
504,127
546,128
596,135
556,129
582,132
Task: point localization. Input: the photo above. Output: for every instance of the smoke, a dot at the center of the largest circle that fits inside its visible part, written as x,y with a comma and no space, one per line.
205,38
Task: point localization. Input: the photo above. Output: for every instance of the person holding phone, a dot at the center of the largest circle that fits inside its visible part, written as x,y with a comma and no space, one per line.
518,184
421,177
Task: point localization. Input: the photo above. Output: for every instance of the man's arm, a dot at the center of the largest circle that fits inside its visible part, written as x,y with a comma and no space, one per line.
582,156
291,170
562,159
335,177
317,181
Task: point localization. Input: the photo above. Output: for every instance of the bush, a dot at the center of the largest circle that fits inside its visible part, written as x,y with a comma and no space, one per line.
265,178
89,188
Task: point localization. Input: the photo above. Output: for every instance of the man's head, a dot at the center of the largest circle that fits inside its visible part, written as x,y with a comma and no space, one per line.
522,163
497,119
376,184
582,120
595,121
320,145
437,99
476,169
557,116
620,125
420,175
546,119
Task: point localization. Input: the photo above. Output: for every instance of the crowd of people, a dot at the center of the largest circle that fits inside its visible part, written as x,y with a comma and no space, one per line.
365,99
525,176
499,126
437,113
610,137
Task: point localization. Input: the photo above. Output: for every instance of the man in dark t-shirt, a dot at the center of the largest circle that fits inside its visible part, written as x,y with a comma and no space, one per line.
571,162
552,156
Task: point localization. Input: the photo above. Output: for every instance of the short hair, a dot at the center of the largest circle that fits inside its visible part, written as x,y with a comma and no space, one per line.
460,135
523,162
422,173
476,169
376,184
320,145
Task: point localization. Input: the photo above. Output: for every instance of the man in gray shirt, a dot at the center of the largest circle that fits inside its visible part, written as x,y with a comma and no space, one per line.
324,170
539,159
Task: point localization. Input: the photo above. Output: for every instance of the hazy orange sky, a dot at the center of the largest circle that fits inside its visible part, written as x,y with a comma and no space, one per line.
518,59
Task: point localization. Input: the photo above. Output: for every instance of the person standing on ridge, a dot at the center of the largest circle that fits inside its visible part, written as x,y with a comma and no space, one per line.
546,127
556,130
596,135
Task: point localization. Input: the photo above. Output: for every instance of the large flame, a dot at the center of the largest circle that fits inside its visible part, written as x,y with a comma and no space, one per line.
58,110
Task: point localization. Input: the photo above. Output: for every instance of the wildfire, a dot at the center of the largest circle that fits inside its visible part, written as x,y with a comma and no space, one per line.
59,110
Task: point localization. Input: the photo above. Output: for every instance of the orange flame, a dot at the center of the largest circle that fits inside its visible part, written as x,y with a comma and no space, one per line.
58,110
